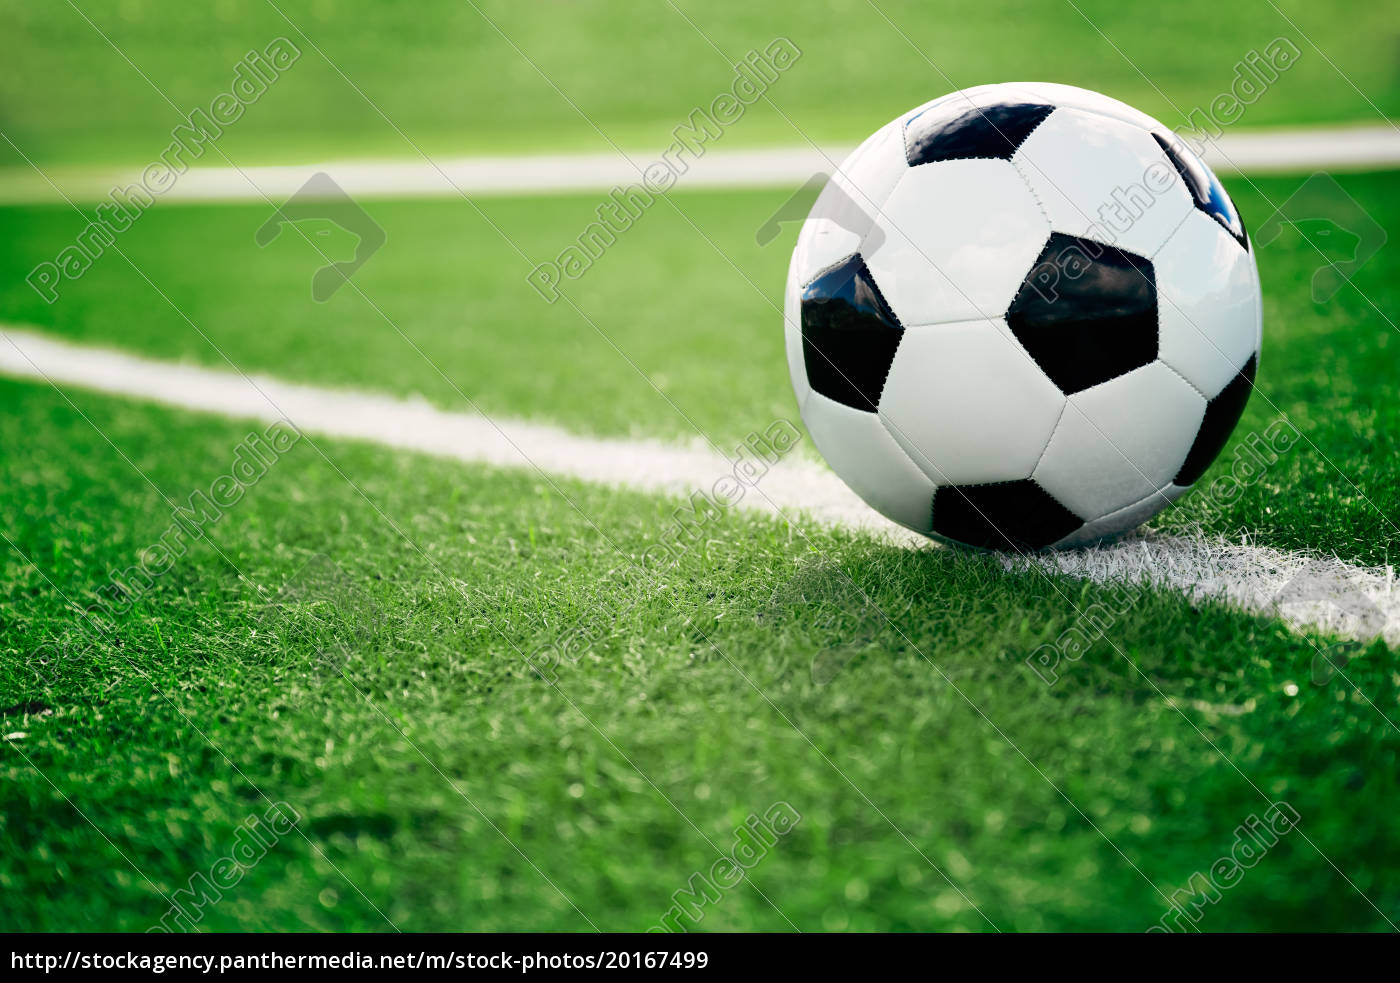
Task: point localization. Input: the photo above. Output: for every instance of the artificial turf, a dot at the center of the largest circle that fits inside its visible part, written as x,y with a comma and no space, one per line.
678,328
427,757
445,76
356,648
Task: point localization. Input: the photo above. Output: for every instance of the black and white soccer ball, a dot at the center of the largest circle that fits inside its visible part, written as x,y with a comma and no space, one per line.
1022,315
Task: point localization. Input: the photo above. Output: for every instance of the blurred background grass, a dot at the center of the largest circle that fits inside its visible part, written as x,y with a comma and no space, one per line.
451,74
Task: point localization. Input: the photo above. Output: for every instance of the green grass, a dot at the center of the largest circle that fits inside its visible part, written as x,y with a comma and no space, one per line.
655,719
695,323
449,81
350,638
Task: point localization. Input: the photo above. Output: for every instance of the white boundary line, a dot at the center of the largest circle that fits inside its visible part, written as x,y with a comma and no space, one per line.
1327,594
1257,151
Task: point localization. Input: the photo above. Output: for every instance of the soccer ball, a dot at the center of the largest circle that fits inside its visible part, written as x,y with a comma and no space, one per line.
1020,316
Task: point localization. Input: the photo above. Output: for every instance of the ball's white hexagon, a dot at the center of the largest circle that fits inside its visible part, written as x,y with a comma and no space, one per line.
874,168
864,455
968,404
957,238
1208,303
845,211
1117,523
1120,441
1258,300
1102,179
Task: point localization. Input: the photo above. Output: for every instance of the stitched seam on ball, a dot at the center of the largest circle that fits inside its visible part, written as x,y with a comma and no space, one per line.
947,160
1006,319
884,379
954,321
1038,364
875,285
1032,130
1175,229
876,212
1025,179
910,457
1195,387
1031,188
1017,481
875,408
1041,456
1135,368
1051,495
827,269
983,112
987,484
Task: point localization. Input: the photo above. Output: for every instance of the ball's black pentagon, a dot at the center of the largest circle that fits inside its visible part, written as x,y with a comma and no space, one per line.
1086,312
958,130
1007,515
1206,192
1222,413
849,335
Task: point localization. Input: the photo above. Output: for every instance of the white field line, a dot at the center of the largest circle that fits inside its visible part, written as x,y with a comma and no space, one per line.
1255,151
1306,591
